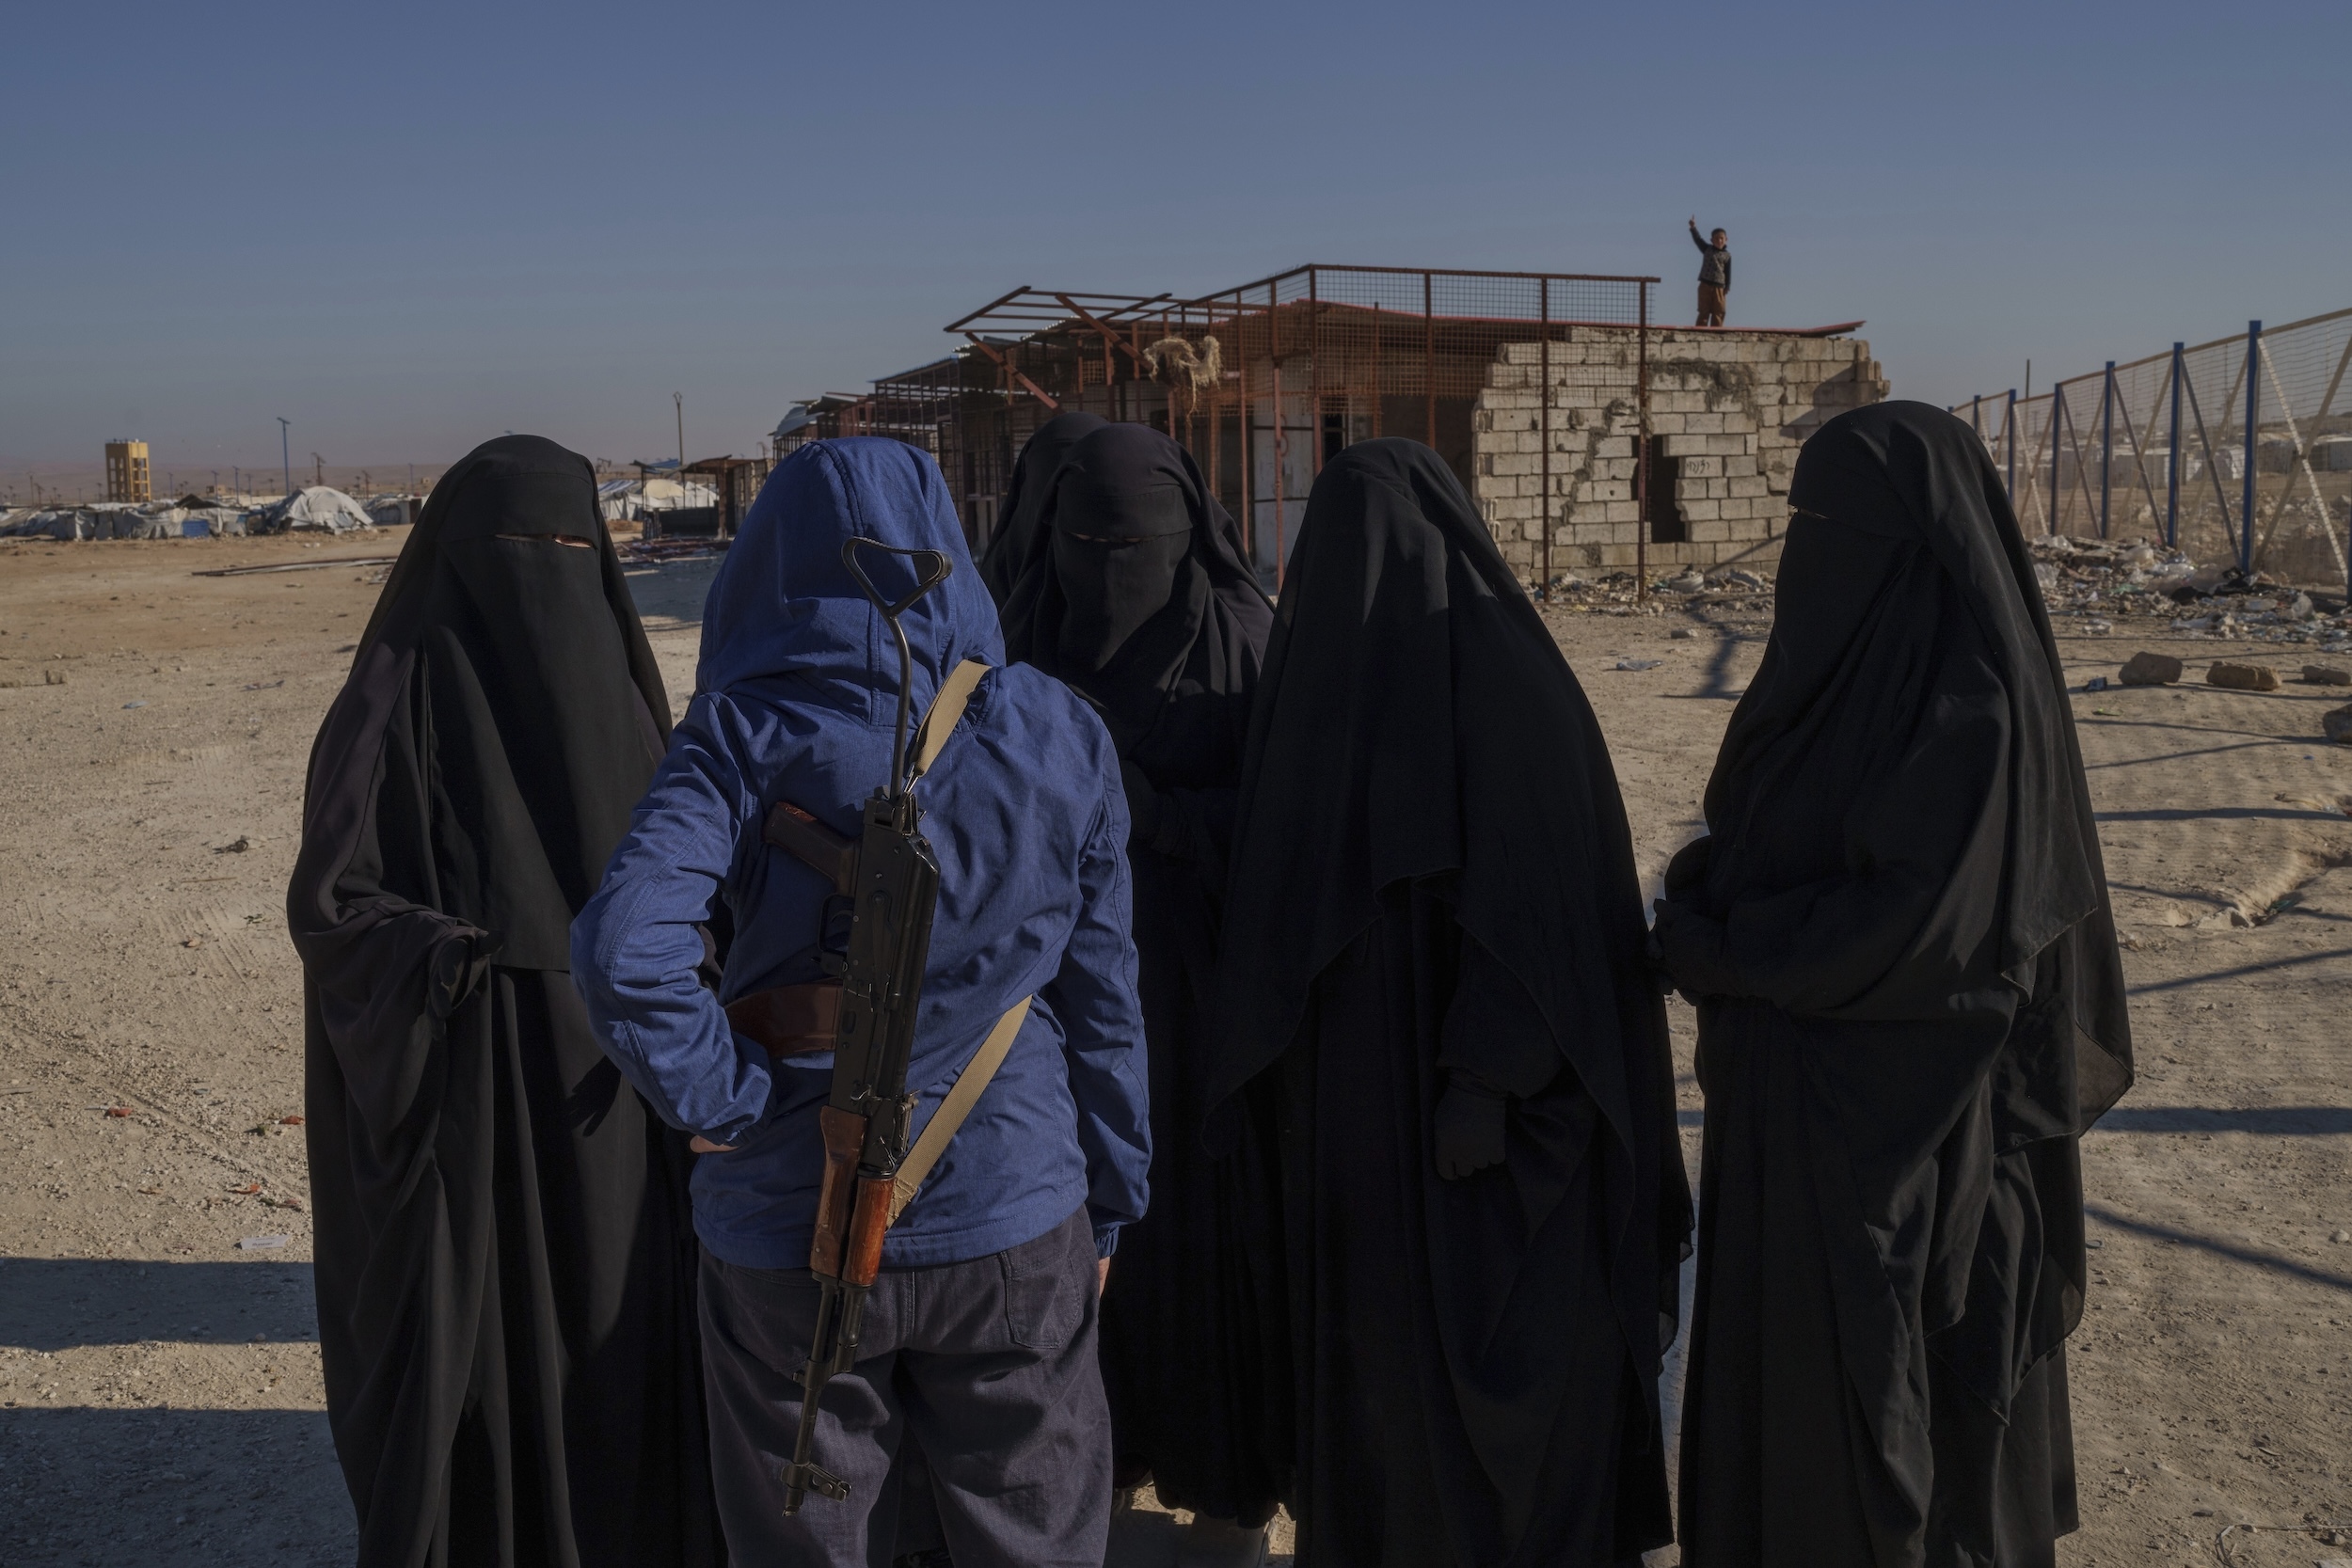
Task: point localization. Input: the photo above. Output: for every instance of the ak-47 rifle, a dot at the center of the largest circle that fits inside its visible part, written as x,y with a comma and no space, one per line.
864,1120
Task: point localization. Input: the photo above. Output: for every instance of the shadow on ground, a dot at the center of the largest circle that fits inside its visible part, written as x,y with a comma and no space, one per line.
53,1303
200,1488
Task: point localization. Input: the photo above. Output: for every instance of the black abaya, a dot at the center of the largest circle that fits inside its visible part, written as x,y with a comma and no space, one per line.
504,1259
1137,596
1911,1008
1433,901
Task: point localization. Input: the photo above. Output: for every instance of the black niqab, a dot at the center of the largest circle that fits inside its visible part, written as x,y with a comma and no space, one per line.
1135,592
1041,454
1433,874
1916,1006
505,1253
1136,595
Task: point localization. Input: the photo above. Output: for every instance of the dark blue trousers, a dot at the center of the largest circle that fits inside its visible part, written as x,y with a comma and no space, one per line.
989,1366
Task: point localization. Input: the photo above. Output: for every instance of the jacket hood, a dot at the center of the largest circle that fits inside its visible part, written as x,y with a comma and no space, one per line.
783,604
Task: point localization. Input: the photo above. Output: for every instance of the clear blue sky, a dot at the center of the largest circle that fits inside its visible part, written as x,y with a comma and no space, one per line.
411,226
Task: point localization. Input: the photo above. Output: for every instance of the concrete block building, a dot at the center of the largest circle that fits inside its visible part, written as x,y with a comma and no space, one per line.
1556,444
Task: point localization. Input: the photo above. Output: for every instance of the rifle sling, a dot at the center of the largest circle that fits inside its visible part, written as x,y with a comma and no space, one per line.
948,1118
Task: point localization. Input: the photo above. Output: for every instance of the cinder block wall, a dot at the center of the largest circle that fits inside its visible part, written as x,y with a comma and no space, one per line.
1728,410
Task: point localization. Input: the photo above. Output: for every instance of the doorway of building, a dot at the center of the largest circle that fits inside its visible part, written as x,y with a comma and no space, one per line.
1661,510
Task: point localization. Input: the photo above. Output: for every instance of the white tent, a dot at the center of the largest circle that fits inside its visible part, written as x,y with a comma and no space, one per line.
317,508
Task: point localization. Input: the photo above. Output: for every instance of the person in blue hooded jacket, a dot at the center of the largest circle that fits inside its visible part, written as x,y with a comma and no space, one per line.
979,1337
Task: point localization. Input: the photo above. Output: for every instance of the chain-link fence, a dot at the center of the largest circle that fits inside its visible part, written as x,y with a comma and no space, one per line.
2238,450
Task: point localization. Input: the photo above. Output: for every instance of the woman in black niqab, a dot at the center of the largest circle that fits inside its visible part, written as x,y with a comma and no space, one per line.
1007,554
1136,595
504,1256
1911,1009
1442,1045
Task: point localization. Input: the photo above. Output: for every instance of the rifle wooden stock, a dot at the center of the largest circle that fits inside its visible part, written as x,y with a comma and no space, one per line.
845,1139
869,1221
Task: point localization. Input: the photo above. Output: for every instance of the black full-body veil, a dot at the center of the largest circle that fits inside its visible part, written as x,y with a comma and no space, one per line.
1911,1008
504,1256
1135,593
1008,551
1434,883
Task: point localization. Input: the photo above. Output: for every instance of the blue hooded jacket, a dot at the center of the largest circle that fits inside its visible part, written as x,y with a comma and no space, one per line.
796,699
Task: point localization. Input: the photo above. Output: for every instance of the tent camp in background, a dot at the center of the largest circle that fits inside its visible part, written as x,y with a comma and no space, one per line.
313,509
392,511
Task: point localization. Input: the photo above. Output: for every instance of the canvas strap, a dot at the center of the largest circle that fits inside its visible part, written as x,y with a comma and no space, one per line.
946,712
948,1118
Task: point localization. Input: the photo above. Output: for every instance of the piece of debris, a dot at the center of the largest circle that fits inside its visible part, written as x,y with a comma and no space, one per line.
193,941
2325,675
2243,677
2337,725
2147,669
290,1121
2096,683
267,1130
292,1203
1683,634
261,1243
1684,582
119,1112
52,677
136,702
2341,1237
241,843
153,1191
249,1190
262,686
1637,664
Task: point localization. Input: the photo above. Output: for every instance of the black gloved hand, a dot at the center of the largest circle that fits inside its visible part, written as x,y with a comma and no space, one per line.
1470,1126
1690,947
1143,804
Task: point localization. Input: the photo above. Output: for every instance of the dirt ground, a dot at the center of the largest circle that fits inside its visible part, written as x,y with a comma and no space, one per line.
159,1384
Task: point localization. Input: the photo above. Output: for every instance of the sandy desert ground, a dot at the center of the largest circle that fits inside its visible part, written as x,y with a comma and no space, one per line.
159,1385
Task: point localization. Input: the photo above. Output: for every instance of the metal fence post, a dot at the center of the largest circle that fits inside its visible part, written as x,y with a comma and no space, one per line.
2173,464
2057,419
2107,444
2253,418
1641,456
1429,358
2009,438
1543,425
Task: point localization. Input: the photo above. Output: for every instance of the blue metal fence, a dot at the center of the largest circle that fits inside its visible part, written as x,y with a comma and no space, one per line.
2237,450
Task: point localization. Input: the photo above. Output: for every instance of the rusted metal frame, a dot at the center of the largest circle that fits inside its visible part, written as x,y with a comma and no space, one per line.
1379,388
1007,366
1249,444
1028,306
1314,379
1450,272
1641,455
1281,436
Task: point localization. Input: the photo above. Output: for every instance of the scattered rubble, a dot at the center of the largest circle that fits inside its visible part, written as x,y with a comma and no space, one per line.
2243,677
1616,594
2147,669
2098,581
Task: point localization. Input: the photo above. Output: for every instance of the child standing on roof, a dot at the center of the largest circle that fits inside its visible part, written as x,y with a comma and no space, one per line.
1714,273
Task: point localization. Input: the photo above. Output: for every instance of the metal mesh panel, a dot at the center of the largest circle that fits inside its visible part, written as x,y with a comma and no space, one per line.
2187,447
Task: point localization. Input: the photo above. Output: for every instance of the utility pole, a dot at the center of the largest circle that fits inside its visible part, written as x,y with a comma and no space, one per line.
285,452
318,468
679,398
